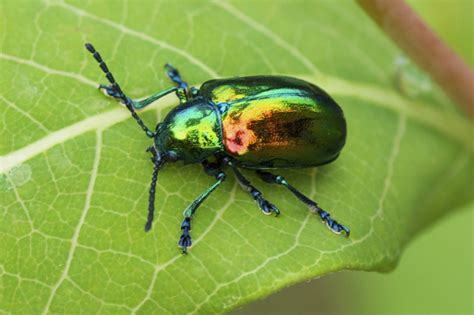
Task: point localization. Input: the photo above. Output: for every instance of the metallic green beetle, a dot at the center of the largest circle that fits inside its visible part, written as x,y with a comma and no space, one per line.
258,122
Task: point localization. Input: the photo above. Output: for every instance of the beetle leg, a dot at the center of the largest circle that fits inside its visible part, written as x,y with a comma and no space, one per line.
183,86
332,224
109,90
212,170
181,94
266,206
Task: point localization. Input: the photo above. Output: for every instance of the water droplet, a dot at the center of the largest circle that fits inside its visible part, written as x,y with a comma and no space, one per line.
409,79
31,92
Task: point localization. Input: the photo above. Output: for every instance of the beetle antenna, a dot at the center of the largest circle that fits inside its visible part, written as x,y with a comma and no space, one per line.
157,163
116,87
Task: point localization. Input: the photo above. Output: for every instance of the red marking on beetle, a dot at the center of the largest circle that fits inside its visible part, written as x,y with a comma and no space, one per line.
237,138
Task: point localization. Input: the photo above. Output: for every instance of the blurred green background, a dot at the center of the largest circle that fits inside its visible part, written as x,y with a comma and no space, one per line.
435,273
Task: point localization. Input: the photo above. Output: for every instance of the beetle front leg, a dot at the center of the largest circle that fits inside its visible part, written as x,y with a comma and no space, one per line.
180,90
332,224
183,86
212,170
266,206
175,76
109,90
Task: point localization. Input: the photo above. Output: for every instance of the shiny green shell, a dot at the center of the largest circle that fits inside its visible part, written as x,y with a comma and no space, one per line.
193,131
277,121
259,121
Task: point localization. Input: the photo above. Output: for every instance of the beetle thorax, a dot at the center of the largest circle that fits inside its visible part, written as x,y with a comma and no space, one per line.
192,131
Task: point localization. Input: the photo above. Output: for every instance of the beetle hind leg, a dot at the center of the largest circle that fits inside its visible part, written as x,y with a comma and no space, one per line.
332,224
266,206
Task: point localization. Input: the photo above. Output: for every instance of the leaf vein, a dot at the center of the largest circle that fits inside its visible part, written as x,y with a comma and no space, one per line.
161,267
77,230
48,70
123,28
274,37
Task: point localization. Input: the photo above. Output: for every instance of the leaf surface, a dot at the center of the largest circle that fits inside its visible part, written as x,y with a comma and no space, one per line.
75,177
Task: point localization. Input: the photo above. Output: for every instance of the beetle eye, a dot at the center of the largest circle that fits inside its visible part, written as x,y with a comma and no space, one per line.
194,91
171,156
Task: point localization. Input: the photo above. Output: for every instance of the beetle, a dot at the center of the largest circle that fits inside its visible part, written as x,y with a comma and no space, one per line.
255,122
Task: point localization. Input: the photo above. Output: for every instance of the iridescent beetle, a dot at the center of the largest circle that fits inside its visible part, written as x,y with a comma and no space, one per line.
257,122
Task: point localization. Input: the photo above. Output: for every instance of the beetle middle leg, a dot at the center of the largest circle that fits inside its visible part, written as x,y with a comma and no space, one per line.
211,169
266,206
332,224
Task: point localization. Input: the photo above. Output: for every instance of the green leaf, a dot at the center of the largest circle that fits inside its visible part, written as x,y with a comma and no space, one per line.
75,177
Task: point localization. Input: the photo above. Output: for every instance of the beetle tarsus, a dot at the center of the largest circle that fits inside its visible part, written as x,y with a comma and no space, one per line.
267,207
185,239
174,75
332,224
110,90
